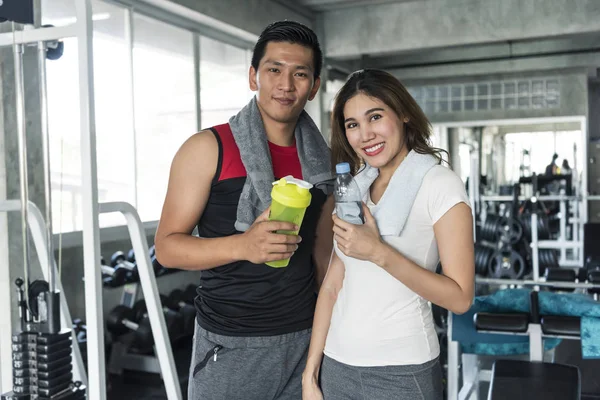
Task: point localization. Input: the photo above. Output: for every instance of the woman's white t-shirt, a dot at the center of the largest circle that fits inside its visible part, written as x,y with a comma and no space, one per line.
378,321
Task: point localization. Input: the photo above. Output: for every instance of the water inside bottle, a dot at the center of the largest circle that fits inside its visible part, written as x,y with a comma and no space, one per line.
350,211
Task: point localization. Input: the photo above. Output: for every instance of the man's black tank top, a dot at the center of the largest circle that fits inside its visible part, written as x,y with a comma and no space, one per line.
243,298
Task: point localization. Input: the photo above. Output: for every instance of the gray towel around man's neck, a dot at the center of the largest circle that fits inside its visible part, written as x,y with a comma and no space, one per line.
251,139
392,210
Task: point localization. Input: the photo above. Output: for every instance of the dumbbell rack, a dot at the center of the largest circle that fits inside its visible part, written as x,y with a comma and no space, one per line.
121,358
562,244
164,355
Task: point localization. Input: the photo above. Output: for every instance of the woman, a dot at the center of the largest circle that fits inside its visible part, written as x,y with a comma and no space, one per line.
373,334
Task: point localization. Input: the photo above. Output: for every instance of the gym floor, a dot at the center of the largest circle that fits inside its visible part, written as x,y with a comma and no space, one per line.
138,385
135,385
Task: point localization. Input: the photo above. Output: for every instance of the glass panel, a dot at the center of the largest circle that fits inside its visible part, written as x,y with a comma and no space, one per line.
165,106
65,147
537,102
114,114
63,12
443,92
116,179
224,87
469,90
443,106
510,103
430,93
482,89
552,87
509,88
456,105
523,102
524,88
537,87
482,104
58,12
456,92
496,104
496,89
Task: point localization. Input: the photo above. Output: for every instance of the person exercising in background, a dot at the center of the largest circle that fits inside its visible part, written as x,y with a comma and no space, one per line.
254,321
552,168
565,169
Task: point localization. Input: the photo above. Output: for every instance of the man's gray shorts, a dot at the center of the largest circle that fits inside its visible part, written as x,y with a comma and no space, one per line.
247,368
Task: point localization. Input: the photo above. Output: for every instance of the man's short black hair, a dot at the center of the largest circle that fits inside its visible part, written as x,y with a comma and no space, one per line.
291,32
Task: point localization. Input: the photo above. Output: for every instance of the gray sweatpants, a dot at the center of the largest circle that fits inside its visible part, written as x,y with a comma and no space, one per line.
247,368
397,382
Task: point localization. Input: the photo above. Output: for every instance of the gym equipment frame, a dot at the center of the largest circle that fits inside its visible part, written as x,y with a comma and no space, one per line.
82,29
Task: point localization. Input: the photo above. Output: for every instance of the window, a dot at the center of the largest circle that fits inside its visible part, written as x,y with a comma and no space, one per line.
540,147
58,12
165,106
114,129
145,107
224,86
485,96
65,148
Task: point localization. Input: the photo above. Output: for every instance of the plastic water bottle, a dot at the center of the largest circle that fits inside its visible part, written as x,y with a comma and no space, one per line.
348,200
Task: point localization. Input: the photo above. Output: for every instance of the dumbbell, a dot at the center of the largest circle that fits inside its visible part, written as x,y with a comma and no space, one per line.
118,260
190,293
80,330
131,256
177,301
158,269
122,320
113,277
173,319
593,273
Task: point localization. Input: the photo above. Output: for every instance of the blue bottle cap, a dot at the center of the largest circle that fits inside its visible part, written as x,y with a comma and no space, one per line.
342,168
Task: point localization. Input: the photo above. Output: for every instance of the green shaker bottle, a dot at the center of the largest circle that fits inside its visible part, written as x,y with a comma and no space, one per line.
290,198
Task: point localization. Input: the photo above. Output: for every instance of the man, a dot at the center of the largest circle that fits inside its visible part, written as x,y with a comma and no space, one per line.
551,169
254,321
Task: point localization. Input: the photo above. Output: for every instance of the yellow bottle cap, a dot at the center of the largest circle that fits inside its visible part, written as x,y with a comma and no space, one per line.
291,192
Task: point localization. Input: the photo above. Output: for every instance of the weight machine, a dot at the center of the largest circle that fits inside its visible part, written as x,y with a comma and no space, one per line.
42,366
531,324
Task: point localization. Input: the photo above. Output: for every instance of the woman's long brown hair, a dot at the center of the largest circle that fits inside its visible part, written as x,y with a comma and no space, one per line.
386,88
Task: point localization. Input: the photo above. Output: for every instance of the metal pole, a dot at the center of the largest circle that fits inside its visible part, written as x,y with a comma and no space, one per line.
23,173
454,359
46,160
129,43
555,284
564,215
535,259
197,82
89,196
474,187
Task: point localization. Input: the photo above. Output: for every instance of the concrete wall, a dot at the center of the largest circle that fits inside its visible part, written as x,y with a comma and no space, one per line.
417,25
236,21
